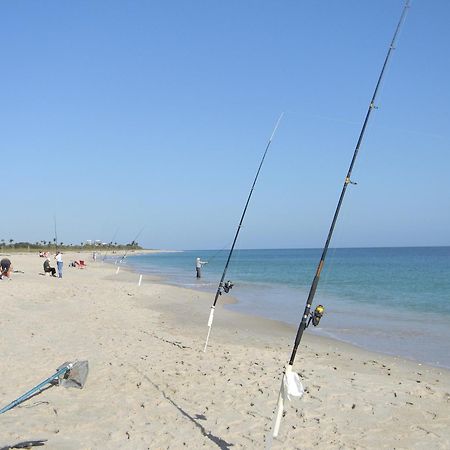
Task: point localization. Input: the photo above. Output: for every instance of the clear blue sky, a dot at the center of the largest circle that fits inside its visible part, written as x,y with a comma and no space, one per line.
124,114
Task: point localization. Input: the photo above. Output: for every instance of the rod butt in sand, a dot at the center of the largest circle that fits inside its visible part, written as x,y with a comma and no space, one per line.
280,405
210,322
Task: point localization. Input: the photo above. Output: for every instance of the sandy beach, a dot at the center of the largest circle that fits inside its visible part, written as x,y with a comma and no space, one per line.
151,386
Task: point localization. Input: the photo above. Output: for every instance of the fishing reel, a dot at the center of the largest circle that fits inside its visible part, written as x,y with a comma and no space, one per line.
316,315
227,286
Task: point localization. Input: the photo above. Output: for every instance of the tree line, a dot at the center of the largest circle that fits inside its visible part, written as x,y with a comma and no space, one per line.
48,245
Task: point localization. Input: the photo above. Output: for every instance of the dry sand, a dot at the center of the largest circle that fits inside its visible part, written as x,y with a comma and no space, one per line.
151,386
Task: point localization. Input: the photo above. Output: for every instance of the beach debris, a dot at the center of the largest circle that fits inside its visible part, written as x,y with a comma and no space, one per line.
226,286
347,181
69,374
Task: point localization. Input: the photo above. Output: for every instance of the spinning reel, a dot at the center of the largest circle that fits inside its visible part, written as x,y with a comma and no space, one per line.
316,315
227,286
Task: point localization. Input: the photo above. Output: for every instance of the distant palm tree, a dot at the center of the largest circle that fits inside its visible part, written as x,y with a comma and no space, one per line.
11,242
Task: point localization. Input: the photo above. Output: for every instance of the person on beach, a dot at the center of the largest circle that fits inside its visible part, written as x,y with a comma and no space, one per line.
59,264
6,268
198,266
94,256
48,269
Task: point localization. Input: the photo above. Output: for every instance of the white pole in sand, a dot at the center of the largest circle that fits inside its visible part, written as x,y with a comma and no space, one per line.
140,280
117,271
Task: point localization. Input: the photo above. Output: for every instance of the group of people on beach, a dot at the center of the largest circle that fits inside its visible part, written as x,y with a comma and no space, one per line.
7,268
59,265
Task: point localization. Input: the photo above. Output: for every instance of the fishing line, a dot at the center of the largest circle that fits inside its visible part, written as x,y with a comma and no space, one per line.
235,269
333,256
218,251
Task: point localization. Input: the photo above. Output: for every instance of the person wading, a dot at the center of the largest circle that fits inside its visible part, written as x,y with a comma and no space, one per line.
198,266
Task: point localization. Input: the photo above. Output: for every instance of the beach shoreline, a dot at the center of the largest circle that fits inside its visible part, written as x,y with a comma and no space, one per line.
364,325
151,385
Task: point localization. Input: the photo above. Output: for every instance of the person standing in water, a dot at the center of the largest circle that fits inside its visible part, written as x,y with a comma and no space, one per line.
59,264
198,266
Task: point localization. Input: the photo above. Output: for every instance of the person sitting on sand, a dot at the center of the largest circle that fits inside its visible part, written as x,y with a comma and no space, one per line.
6,268
48,269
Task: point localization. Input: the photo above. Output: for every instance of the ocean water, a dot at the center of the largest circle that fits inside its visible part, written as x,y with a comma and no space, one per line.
390,300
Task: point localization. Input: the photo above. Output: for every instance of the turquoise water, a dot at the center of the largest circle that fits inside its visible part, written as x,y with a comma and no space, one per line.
391,300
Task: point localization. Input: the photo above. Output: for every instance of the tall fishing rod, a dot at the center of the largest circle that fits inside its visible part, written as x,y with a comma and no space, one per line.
308,317
131,246
225,287
56,235
110,242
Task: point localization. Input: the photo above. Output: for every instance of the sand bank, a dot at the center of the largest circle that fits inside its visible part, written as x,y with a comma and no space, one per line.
151,386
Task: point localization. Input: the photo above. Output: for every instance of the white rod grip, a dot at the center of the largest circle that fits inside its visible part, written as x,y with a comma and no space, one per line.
211,317
210,322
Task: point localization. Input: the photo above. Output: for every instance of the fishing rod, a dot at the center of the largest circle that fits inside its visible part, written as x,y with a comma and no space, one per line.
290,384
131,245
225,287
56,235
110,242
